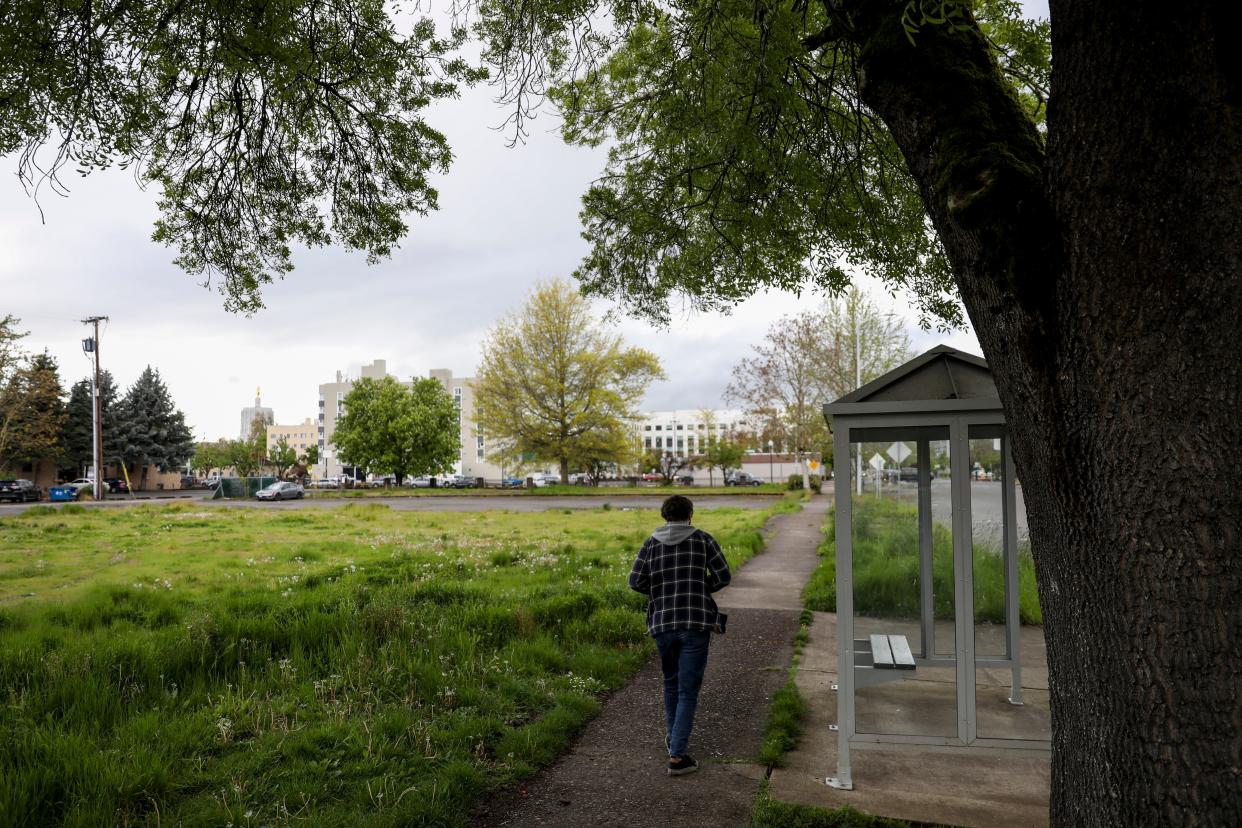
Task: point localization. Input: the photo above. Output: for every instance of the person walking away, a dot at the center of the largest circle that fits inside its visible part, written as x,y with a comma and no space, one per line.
678,568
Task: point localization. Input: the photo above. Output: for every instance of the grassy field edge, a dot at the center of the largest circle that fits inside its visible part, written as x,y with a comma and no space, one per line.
358,666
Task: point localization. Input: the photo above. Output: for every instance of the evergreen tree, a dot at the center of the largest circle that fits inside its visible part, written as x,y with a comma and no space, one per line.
36,415
12,360
151,431
78,440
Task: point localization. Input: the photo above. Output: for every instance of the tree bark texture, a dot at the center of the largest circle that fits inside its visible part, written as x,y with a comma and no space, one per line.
1103,277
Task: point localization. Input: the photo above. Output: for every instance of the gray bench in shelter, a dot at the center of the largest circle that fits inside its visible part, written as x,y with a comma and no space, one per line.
882,658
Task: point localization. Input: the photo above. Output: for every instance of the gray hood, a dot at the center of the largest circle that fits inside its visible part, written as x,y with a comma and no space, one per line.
671,534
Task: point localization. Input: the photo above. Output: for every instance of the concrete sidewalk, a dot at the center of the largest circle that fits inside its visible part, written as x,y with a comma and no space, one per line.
964,786
614,775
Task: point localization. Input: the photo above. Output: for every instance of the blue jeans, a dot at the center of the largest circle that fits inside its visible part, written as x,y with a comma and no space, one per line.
683,657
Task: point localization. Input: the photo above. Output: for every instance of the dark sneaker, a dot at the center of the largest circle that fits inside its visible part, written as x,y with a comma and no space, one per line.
679,765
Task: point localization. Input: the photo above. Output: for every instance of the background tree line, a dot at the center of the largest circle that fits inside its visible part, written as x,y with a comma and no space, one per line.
250,455
39,422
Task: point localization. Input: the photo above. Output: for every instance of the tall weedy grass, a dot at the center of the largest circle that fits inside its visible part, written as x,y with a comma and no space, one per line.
886,568
356,666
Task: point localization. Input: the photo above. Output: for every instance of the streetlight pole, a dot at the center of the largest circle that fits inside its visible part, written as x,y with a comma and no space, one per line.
92,346
771,478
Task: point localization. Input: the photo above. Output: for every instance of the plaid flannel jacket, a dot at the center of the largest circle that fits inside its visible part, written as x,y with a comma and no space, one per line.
678,581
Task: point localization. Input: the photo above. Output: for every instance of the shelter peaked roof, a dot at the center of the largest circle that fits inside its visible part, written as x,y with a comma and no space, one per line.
941,374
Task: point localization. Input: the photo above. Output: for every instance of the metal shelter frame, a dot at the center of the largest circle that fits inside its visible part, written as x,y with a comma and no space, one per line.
943,394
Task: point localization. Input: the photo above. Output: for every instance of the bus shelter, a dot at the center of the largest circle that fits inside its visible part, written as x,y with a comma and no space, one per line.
931,595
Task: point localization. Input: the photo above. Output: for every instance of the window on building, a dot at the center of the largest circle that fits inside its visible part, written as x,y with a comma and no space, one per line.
680,426
681,444
658,428
647,428
659,443
647,442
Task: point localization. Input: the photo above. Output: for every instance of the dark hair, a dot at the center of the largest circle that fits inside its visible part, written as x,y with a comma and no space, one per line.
677,507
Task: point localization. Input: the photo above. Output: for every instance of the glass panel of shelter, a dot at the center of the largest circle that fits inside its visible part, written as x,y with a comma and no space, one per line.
903,577
1011,675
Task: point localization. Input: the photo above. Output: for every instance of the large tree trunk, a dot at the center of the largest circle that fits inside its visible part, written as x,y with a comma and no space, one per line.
1104,281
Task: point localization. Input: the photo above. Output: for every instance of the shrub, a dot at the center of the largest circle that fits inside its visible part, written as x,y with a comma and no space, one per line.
795,482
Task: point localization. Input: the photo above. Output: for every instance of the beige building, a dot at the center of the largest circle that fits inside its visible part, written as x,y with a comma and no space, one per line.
472,460
299,437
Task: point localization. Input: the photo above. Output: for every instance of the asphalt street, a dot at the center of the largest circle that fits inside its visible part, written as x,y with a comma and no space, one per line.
463,503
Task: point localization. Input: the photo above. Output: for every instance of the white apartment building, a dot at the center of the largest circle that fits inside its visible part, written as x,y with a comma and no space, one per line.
685,431
472,461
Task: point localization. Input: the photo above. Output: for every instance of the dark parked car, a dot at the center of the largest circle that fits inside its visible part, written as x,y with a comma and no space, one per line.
116,485
461,481
281,490
684,480
19,491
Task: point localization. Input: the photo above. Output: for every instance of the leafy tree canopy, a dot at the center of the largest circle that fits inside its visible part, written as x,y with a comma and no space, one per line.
388,428
261,124
722,453
740,154
282,457
555,384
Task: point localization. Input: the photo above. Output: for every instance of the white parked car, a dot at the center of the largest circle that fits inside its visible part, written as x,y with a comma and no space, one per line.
88,483
540,479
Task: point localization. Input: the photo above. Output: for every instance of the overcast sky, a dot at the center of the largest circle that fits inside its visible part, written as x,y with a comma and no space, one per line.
507,218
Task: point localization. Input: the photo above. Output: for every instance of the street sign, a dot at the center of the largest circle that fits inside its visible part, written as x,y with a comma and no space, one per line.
877,462
899,452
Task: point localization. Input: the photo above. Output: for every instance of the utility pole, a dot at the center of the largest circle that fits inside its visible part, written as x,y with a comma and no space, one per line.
92,346
857,384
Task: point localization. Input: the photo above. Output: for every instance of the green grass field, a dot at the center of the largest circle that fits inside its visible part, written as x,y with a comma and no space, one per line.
353,666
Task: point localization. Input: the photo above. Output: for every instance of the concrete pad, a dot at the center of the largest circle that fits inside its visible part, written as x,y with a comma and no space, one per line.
977,786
